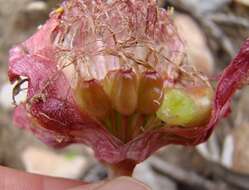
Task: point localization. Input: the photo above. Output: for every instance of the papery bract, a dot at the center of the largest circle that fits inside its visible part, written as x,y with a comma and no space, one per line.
123,42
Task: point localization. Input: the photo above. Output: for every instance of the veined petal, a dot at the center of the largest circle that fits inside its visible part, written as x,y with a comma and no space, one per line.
96,38
232,78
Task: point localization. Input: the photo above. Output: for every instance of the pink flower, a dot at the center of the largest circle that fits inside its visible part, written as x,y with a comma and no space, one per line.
100,73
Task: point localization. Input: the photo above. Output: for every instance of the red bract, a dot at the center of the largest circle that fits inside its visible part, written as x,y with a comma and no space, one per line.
92,42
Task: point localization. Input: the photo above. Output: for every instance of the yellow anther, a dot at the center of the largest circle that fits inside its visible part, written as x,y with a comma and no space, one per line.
59,10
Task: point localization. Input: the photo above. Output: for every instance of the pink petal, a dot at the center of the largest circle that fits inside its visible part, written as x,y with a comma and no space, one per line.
58,118
52,115
232,79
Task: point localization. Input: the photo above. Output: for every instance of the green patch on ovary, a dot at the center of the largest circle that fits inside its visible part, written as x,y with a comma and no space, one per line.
178,108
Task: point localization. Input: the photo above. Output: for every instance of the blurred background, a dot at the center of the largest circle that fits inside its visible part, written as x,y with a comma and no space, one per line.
213,31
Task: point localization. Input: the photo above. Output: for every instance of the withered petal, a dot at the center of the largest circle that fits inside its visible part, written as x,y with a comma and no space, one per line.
232,78
52,115
58,122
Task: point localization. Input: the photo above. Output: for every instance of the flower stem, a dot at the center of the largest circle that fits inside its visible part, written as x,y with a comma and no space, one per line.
124,168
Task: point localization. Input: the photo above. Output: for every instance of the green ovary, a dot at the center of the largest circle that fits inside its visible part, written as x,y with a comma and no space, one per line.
181,109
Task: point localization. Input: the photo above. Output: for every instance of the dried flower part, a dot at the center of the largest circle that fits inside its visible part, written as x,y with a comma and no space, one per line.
150,93
98,37
122,86
95,71
91,97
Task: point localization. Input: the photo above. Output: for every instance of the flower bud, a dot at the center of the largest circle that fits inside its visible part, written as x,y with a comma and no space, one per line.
91,98
150,92
122,88
186,107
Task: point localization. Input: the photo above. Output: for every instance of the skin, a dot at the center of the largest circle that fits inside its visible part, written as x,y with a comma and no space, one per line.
15,180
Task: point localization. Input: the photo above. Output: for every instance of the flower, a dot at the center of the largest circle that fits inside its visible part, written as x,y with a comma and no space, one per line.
113,75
